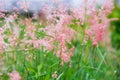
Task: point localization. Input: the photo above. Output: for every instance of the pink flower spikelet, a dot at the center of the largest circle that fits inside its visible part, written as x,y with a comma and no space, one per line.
2,42
60,32
54,75
14,75
56,32
98,21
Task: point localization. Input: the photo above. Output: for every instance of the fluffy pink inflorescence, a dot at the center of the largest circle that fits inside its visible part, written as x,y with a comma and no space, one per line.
56,30
2,8
23,5
95,19
54,75
60,32
14,75
98,21
2,42
57,22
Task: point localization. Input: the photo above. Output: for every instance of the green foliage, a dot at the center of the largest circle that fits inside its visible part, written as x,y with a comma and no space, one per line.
88,63
115,29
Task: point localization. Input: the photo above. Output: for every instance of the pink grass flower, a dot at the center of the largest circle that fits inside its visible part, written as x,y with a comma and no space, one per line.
2,42
14,75
54,75
99,22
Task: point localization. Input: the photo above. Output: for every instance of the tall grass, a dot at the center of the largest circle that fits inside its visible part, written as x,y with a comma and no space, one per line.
62,44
